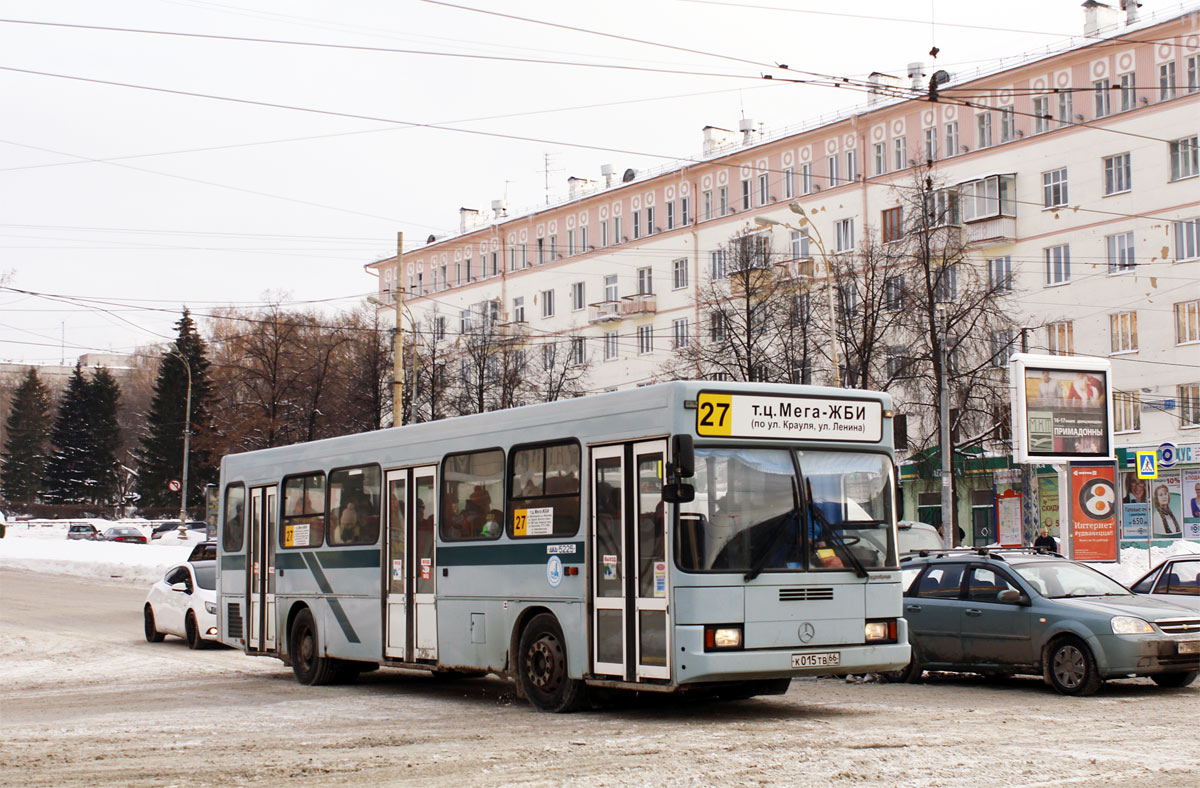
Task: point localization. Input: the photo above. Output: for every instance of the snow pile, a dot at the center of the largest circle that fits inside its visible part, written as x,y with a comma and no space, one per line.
1134,564
42,546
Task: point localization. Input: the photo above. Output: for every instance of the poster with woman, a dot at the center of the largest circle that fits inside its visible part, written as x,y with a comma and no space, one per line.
1166,506
1135,512
1191,494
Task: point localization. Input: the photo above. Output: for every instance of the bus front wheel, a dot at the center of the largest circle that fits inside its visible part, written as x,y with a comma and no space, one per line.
310,667
543,668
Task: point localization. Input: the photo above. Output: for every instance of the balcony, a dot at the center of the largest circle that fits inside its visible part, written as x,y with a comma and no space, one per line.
513,330
640,304
800,268
604,311
996,231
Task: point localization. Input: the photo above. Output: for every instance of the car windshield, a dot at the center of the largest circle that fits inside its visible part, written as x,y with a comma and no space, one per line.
759,510
206,575
1063,579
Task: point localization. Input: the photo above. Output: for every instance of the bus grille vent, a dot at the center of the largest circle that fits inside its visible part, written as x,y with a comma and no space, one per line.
805,594
233,617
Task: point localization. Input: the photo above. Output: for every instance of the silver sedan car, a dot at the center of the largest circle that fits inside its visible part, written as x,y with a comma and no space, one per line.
1176,579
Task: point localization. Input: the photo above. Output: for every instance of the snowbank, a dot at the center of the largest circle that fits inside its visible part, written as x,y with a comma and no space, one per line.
42,546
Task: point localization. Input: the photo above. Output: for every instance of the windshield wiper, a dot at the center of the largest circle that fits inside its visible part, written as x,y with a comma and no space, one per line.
828,529
793,516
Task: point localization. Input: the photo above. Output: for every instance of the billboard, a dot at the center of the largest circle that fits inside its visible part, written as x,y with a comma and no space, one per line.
1093,513
1062,409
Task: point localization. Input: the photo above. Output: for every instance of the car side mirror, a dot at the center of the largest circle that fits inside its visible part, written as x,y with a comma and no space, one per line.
180,587
1011,596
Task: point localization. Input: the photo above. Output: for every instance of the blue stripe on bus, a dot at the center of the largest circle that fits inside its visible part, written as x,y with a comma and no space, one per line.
496,553
335,604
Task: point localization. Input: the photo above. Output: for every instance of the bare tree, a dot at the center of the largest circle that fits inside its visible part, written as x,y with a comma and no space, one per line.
560,370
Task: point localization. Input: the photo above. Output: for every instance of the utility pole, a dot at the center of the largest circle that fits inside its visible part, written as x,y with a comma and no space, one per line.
944,440
398,338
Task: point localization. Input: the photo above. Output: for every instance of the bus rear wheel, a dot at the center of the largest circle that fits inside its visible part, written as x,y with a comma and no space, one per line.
542,668
310,667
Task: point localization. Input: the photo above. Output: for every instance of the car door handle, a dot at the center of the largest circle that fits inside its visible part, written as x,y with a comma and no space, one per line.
913,608
973,612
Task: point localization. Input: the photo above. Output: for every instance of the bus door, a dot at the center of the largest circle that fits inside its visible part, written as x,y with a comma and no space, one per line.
410,609
261,636
630,590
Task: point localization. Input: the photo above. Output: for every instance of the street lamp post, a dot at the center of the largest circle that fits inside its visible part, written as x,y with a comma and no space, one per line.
798,209
187,435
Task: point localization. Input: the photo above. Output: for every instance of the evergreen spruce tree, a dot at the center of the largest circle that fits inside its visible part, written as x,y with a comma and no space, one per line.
68,468
103,394
160,457
26,441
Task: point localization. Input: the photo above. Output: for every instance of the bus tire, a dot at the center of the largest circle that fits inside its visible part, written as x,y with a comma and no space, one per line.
311,668
542,668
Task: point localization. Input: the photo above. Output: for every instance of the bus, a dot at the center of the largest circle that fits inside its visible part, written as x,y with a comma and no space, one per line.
685,537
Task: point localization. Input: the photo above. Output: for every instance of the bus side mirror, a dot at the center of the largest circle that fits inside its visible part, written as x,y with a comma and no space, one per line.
683,455
679,492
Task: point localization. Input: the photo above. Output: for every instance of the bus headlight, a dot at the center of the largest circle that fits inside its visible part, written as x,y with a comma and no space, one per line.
722,637
880,631
1128,625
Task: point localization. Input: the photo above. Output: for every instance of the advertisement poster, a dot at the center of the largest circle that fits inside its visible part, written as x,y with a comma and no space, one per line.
1068,412
1135,512
1093,513
1191,496
1166,505
1047,490
1008,518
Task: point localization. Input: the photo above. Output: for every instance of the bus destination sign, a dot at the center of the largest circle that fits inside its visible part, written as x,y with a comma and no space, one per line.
789,418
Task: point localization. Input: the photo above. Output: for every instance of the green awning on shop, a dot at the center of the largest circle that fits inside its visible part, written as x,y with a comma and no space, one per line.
967,462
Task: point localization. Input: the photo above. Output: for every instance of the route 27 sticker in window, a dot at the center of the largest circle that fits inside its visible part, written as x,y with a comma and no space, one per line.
789,418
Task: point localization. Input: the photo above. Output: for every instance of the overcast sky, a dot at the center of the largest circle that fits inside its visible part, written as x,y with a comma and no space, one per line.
120,204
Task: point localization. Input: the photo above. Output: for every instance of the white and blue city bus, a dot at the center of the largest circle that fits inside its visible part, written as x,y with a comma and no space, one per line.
688,536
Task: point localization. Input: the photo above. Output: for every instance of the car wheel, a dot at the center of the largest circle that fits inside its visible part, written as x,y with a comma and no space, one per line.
542,668
152,633
310,667
1072,668
909,674
192,632
1175,679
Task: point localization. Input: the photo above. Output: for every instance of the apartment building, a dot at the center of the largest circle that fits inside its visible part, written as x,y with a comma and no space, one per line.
1074,175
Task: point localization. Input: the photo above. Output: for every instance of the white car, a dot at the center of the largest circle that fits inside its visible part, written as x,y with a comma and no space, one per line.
184,603
915,536
1176,579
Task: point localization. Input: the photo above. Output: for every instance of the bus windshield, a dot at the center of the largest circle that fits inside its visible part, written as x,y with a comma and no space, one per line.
762,510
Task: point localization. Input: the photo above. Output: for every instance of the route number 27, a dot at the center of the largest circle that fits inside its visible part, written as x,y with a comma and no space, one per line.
714,414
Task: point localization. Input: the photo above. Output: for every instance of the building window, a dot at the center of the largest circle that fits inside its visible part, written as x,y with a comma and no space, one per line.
645,281
952,138
541,254
1065,112
1185,158
553,248
679,332
983,123
611,339
439,329
764,189
717,267
988,197
1123,331
832,164
637,224
931,144
610,288
893,293
464,321
852,165
1008,124
896,361
945,286
519,309
893,224
746,194
806,179
717,327
645,339
1118,176
679,274
651,228
578,351
880,158
1166,80
941,207
1054,188
583,241
1058,264
1189,405
578,301
670,216
617,236
1103,105
1187,322
572,250
547,303
1127,411
847,301
1041,114
1000,274
1193,74
1187,239
899,153
1002,347
1120,252
1128,92
604,235
685,213
845,235
1060,338
706,204
800,244
723,200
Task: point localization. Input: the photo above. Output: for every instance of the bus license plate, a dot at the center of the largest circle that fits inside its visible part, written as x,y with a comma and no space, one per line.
826,659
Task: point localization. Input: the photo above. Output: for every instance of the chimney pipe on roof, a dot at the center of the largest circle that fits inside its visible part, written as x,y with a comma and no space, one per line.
1096,17
916,75
606,170
468,219
1130,7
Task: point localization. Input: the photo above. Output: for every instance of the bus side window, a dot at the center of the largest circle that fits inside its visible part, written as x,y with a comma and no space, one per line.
472,489
303,521
544,485
234,528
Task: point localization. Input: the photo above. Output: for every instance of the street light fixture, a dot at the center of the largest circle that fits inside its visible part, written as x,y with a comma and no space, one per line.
187,435
798,209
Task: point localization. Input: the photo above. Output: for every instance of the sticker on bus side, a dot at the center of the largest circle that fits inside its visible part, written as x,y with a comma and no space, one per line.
533,522
789,418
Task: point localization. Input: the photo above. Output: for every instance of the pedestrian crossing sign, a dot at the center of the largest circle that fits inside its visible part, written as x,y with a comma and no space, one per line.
1147,464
